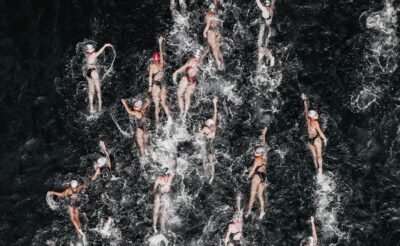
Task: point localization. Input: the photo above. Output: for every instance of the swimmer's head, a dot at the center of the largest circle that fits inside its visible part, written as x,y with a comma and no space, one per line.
268,2
74,184
89,48
101,161
210,122
212,6
138,105
197,53
155,57
313,114
165,170
259,151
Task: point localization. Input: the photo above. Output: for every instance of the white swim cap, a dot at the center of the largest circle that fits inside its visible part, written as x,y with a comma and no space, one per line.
138,104
310,241
312,114
260,150
210,122
268,2
89,47
197,53
166,170
102,161
212,6
74,184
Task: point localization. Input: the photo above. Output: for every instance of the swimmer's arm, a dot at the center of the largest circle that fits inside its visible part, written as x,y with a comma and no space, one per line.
260,5
314,231
318,128
273,4
263,133
305,101
150,77
180,70
253,169
228,233
208,21
215,115
160,43
95,175
130,111
100,51
204,54
64,193
156,184
146,105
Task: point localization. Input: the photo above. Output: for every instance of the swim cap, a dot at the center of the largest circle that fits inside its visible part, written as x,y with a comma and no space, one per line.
74,184
89,47
155,57
310,241
268,2
210,122
138,104
102,161
312,114
165,170
197,53
212,6
260,150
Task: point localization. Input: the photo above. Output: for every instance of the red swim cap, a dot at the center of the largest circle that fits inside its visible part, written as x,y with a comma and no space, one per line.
155,57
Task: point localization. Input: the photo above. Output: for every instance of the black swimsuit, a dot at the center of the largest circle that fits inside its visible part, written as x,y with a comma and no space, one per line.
141,123
89,72
312,140
160,82
262,175
73,199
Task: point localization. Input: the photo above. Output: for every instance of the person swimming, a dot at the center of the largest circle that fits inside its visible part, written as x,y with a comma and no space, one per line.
311,240
212,32
210,129
139,122
188,82
72,194
263,38
258,176
162,187
92,74
315,134
102,162
157,83
235,228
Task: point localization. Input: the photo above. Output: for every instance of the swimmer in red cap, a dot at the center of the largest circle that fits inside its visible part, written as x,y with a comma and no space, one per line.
157,85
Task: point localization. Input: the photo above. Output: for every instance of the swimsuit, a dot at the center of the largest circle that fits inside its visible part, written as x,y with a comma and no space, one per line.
160,82
312,139
262,175
73,199
141,123
191,80
89,72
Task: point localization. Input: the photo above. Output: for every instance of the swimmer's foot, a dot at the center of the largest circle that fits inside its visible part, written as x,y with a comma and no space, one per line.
319,171
80,232
155,230
262,214
92,111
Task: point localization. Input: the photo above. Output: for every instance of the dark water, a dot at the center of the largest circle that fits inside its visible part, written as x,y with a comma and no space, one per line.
325,49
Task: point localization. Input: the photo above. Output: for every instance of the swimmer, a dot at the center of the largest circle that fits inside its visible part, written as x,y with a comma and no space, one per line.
102,162
188,82
315,135
312,240
258,177
209,129
139,121
92,74
72,192
212,32
235,228
157,83
162,186
263,50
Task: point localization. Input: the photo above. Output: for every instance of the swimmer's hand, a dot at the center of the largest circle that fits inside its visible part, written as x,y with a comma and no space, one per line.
312,219
215,100
303,96
160,39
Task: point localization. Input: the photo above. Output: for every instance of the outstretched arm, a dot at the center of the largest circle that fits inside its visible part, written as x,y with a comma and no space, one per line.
62,194
104,149
150,77
305,101
238,199
215,115
160,44
263,133
100,51
252,169
156,184
260,5
314,231
180,70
